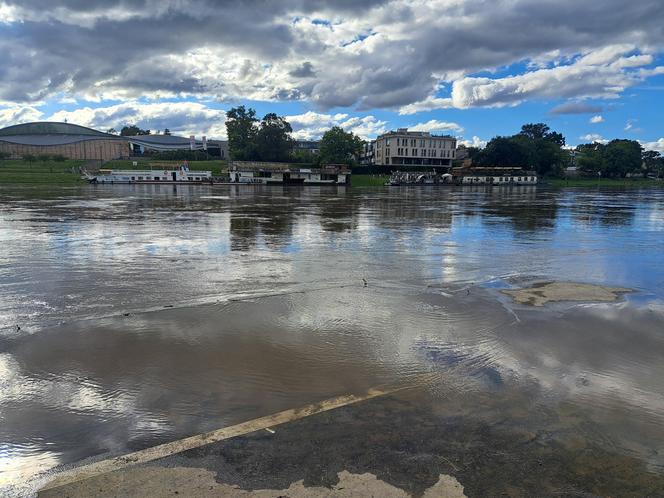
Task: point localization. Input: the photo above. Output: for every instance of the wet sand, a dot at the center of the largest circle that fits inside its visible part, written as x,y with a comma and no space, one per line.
541,293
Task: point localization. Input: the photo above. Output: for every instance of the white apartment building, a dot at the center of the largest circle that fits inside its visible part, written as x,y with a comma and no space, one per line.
414,148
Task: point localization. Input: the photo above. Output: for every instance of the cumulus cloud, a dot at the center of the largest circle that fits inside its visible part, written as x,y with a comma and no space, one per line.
311,125
435,125
181,118
657,145
18,114
594,137
597,119
326,53
474,142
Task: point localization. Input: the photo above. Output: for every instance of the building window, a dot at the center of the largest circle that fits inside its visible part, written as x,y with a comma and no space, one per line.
387,152
387,142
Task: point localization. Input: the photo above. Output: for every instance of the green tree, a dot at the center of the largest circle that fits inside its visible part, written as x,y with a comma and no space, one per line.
622,157
590,158
340,147
652,161
241,130
132,131
541,131
534,131
273,140
305,157
507,151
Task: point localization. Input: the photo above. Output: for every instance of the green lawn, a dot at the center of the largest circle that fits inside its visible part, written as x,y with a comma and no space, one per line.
369,180
20,172
17,171
604,182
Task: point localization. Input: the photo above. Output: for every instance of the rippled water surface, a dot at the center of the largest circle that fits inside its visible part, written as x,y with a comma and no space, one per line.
133,315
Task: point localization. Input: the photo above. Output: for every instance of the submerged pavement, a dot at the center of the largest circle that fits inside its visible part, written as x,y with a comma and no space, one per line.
404,444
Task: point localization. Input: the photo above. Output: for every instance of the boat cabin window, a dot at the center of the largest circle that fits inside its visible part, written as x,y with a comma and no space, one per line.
133,178
156,178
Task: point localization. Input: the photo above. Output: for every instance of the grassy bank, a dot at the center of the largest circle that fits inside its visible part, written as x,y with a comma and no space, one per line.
19,172
369,180
604,182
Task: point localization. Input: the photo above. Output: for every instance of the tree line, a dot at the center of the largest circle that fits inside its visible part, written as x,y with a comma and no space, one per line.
537,147
270,139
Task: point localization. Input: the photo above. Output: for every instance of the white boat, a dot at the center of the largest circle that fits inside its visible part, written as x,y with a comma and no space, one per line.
267,173
181,175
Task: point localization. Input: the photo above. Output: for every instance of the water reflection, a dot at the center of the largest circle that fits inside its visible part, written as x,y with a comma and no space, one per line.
81,378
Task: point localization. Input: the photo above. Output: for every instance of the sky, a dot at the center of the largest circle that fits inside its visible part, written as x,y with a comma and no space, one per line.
474,69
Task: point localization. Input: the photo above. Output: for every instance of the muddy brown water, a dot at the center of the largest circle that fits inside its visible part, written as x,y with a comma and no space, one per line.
147,314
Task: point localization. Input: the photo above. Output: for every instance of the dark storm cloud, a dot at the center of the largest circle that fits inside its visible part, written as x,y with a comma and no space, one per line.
306,70
144,46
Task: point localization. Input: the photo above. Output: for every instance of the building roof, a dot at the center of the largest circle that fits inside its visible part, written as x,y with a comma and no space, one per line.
169,142
46,140
47,133
414,134
49,128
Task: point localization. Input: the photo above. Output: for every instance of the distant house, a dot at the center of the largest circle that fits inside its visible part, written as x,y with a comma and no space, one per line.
144,144
312,146
414,148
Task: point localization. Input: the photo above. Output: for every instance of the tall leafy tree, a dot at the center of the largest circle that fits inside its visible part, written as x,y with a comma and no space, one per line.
652,162
273,140
616,159
507,151
133,130
622,157
340,147
590,158
541,131
241,129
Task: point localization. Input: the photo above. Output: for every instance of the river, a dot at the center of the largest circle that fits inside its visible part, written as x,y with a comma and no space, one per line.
134,315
